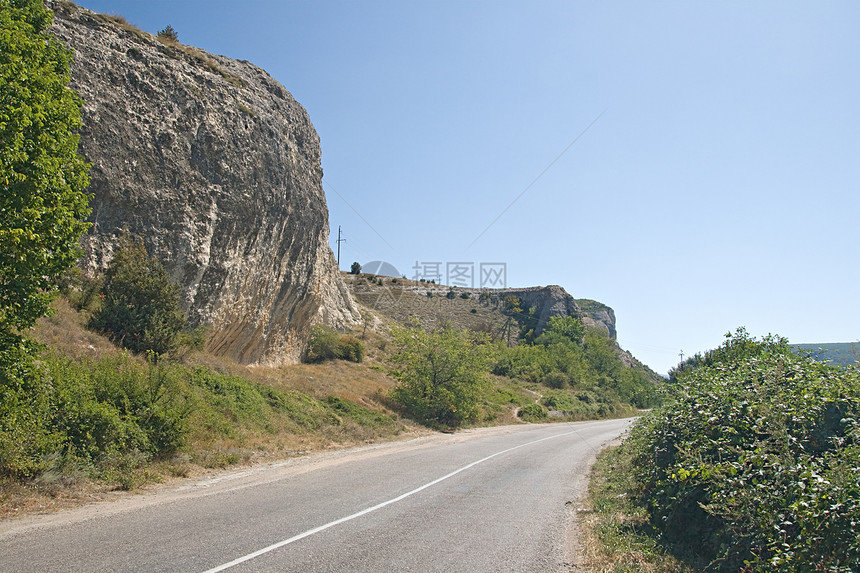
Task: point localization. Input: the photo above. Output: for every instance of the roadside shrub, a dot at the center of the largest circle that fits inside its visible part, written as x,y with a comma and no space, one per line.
532,412
326,344
361,415
555,379
755,464
140,307
442,374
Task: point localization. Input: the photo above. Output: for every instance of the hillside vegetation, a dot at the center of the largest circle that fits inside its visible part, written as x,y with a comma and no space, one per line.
837,353
93,412
753,463
107,385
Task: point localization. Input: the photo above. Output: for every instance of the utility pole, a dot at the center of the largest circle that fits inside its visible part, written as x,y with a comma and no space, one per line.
339,241
682,356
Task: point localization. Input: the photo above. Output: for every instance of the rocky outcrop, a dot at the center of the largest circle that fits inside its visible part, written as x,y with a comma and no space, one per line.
217,167
553,300
475,308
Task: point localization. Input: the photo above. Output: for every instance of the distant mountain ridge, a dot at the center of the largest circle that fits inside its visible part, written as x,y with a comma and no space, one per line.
838,353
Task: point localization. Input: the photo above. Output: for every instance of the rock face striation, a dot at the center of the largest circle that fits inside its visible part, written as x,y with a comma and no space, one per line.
553,300
217,167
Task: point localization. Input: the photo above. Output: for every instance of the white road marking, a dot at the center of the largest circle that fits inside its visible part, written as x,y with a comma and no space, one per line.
310,532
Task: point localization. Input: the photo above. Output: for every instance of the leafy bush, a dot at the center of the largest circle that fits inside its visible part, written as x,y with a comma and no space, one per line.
532,412
586,359
561,401
361,415
442,374
755,463
355,268
168,34
326,344
43,205
140,310
555,379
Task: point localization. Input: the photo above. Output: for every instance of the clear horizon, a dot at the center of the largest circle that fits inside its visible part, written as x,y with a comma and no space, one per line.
692,166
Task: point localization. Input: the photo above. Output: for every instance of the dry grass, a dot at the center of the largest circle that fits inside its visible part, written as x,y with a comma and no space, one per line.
397,302
366,384
66,332
44,497
614,533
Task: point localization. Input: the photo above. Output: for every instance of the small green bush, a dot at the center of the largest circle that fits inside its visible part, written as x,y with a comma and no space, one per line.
532,412
168,34
361,415
326,344
555,379
140,307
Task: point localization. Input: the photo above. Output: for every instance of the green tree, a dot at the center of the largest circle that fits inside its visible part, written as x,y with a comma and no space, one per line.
140,309
42,203
169,34
355,268
326,344
602,353
442,373
562,329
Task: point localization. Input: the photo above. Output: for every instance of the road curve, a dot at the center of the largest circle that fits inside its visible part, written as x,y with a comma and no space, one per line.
491,499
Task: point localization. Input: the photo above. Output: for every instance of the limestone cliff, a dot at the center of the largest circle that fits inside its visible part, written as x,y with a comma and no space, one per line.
474,308
553,300
217,167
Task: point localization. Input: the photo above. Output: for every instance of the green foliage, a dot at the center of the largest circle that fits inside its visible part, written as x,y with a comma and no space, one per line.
838,353
561,401
616,531
326,344
140,308
355,268
91,412
111,417
168,34
358,413
555,379
532,412
562,329
42,177
587,360
738,346
442,373
117,406
754,463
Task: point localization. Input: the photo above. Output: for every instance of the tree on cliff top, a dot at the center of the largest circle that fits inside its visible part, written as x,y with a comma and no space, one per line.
42,177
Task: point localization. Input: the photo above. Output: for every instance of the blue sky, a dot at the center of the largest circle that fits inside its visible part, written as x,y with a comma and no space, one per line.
718,187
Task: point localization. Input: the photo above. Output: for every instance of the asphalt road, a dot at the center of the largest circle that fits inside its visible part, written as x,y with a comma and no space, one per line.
493,499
